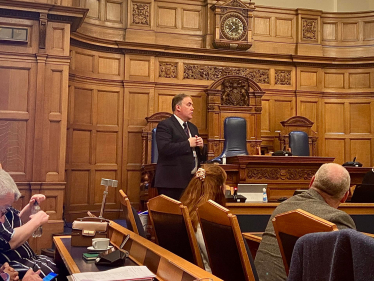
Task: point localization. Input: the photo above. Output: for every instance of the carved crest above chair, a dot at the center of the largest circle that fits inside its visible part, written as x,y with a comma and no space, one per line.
233,96
235,92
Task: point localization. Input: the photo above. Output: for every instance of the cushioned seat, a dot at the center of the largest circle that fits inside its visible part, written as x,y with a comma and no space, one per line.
290,226
133,222
235,133
173,228
345,255
299,143
229,256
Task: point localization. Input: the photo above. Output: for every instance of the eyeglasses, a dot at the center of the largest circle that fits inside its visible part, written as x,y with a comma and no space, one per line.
3,212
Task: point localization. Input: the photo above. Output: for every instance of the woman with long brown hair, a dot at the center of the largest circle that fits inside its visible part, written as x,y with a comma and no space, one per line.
207,184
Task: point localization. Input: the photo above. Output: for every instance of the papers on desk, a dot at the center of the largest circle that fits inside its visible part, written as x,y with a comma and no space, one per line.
138,273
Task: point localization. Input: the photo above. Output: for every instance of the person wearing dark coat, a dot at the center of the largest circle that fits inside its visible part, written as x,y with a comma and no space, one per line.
179,149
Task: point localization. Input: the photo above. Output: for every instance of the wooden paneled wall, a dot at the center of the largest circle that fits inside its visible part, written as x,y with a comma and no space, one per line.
33,105
129,58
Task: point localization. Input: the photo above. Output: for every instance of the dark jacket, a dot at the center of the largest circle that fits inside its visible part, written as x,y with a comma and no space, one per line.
175,156
345,255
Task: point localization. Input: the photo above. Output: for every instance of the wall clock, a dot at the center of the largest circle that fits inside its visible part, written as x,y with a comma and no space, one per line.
233,25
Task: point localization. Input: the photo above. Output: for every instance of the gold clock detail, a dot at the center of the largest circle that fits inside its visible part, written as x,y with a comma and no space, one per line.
233,26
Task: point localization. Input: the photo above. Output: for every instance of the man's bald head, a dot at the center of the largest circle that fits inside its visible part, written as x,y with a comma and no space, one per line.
332,179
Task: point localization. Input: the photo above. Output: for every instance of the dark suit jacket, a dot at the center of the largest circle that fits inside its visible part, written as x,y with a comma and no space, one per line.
175,156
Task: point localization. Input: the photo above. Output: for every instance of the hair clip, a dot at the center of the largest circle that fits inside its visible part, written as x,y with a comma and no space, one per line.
200,174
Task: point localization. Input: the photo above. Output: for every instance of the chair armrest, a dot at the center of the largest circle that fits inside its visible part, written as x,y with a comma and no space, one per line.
253,240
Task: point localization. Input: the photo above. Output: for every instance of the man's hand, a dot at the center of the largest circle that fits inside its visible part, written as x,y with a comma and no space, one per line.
12,273
192,141
40,218
32,276
37,197
199,141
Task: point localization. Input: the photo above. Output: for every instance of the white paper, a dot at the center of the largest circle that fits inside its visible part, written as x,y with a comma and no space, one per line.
120,273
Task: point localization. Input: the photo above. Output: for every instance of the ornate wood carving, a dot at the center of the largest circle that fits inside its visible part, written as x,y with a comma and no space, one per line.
235,92
309,29
209,72
282,77
168,69
234,96
140,13
279,174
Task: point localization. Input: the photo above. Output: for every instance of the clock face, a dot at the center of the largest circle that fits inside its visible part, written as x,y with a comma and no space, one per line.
233,26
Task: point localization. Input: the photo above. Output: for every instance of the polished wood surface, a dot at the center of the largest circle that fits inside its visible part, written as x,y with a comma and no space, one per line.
297,223
34,104
167,266
253,242
212,213
282,174
163,205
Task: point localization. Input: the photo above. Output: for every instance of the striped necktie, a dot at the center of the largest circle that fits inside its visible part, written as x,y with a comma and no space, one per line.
186,129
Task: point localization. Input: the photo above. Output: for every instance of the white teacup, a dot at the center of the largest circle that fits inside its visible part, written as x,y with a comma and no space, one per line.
100,243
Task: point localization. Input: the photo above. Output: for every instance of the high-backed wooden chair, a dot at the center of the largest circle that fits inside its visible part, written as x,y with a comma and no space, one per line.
304,134
131,216
290,226
173,228
229,257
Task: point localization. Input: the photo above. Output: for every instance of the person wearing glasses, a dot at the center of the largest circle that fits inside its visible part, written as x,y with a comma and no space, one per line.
16,227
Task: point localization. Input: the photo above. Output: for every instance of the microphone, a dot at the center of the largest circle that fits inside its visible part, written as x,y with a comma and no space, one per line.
354,159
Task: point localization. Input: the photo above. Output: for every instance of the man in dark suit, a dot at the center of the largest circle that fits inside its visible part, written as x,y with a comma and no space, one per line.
328,188
179,149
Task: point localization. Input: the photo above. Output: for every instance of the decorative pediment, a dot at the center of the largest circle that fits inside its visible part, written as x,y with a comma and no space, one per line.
299,121
235,3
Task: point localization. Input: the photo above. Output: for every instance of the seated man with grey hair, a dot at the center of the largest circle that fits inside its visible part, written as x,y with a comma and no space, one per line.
17,227
328,188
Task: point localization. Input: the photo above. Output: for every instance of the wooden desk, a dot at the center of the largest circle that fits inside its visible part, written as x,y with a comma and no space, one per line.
282,174
254,216
166,265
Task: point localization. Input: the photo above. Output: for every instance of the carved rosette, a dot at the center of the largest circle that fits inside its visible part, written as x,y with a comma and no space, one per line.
168,70
282,77
309,29
279,174
140,13
208,72
235,92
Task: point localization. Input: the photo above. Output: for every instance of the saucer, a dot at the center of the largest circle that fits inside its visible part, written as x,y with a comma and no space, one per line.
92,249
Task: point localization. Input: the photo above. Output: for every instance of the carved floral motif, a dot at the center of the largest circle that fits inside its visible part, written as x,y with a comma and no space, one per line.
208,72
282,77
235,92
140,13
168,70
279,174
309,29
